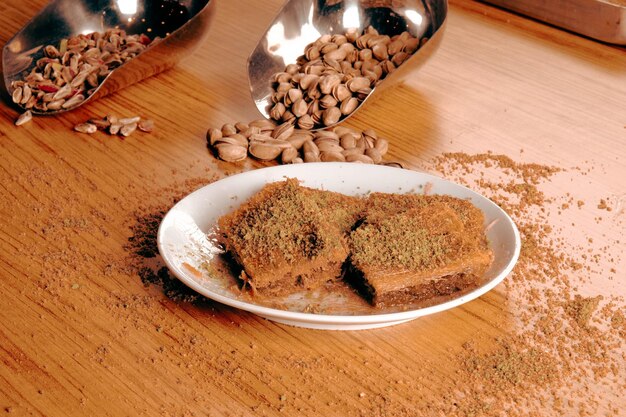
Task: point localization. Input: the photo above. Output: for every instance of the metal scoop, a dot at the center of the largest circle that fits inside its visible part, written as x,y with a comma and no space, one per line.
178,27
301,22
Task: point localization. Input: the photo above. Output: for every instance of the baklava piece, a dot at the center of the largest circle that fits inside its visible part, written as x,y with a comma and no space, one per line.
414,247
283,241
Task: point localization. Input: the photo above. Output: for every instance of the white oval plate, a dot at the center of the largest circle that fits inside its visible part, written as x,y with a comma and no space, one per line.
183,243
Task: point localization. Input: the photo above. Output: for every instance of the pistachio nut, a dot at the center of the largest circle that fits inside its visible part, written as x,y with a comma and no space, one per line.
277,111
328,146
299,108
340,92
359,158
374,154
347,141
395,46
235,139
332,156
231,153
309,81
306,122
327,101
311,157
399,58
380,51
357,84
381,145
228,129
327,134
348,106
331,116
337,54
411,45
298,138
309,147
283,131
264,151
288,155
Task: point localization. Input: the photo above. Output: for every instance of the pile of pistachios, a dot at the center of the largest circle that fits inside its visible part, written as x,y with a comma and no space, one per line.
266,141
335,74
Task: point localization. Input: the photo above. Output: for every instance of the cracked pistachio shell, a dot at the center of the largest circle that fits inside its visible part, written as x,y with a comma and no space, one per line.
352,151
358,83
235,139
288,117
328,101
328,82
264,151
394,47
348,141
283,131
327,134
309,81
331,116
228,129
328,47
308,147
340,92
374,154
332,156
312,52
263,124
231,153
337,55
359,158
288,155
306,122
348,106
17,95
381,145
328,146
311,157
292,96
411,45
299,108
298,138
380,51
399,58
282,144
277,111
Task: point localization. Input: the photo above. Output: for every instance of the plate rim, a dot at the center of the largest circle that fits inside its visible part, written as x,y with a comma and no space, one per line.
330,319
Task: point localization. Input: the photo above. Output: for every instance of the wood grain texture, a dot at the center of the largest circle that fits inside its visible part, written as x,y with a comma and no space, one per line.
80,334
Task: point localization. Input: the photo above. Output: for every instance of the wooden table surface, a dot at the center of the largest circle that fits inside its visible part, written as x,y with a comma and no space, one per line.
89,327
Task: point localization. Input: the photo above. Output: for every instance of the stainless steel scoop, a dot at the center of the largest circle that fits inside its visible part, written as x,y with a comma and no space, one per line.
301,22
180,25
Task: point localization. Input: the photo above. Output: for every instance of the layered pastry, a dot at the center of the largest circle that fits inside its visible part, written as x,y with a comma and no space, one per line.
414,247
288,237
